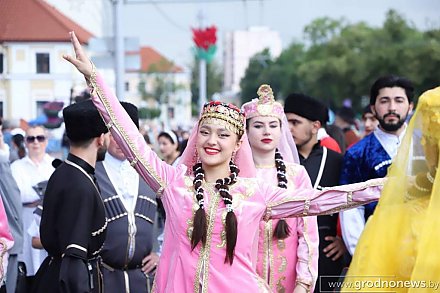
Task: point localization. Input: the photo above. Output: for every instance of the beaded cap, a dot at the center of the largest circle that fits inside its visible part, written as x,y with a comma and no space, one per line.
227,114
264,105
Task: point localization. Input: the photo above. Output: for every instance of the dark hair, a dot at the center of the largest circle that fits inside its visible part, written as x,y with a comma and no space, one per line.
347,114
200,223
366,110
168,136
1,121
147,138
18,140
182,145
391,81
282,230
81,143
338,135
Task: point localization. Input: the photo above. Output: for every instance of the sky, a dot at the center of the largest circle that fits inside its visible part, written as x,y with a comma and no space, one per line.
166,24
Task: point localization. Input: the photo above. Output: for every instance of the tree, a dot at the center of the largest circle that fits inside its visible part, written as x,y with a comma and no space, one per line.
339,60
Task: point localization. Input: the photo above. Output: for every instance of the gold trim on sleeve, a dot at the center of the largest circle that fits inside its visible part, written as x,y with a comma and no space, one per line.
121,130
306,207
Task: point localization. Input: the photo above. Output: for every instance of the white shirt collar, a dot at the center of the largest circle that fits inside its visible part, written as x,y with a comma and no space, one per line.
390,142
124,179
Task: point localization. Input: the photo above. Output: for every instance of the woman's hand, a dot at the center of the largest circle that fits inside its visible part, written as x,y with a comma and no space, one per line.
81,61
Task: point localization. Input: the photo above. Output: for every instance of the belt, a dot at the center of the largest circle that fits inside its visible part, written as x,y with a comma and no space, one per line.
33,204
127,268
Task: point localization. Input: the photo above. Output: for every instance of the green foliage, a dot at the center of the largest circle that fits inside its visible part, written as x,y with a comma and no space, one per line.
339,60
148,113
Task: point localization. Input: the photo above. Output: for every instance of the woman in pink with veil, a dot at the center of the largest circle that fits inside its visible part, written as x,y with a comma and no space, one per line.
287,248
212,199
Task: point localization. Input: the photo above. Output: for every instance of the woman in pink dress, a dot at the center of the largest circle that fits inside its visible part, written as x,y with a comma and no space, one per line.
6,242
287,248
212,199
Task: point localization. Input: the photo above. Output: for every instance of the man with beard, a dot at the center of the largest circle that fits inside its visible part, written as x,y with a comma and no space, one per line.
391,103
73,222
306,116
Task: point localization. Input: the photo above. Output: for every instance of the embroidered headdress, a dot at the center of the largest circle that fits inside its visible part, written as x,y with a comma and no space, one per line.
231,116
264,105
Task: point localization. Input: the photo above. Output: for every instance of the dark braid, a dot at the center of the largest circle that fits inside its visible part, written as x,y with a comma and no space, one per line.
222,186
200,226
282,230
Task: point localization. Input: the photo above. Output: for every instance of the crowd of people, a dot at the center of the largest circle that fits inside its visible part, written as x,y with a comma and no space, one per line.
267,197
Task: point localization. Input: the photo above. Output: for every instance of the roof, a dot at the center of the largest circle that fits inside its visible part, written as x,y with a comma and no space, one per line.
36,21
153,61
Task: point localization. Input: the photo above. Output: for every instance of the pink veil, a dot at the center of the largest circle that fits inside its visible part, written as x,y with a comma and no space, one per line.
287,146
243,157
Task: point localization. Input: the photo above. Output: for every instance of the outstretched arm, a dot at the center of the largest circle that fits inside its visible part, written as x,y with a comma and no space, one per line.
155,172
310,202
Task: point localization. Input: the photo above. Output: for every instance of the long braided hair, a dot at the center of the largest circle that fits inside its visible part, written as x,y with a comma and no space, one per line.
200,223
282,230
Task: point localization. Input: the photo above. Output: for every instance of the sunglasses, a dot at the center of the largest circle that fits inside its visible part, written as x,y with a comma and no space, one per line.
39,138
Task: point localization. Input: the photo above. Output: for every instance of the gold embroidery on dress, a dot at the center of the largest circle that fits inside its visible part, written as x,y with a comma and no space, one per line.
283,263
195,207
266,244
223,233
309,247
271,256
280,286
190,228
281,244
203,263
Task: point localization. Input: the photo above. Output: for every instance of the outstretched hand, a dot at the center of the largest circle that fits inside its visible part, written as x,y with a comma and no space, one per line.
80,61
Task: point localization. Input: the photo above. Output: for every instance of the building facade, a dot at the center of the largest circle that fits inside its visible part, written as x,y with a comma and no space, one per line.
240,46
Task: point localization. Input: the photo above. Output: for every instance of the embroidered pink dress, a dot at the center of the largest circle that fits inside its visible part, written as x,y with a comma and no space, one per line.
204,269
282,262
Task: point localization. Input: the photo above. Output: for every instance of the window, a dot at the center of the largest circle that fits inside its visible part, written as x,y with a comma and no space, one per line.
43,63
1,63
40,110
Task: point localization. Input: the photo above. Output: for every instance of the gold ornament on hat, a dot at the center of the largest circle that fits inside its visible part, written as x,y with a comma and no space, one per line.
265,100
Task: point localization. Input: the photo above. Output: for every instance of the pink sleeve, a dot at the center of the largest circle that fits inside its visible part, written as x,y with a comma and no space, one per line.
150,167
308,240
6,241
284,203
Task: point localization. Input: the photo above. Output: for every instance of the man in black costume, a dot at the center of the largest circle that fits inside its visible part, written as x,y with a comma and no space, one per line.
73,222
127,258
306,116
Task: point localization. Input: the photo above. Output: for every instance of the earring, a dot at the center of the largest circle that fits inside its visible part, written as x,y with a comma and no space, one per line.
234,154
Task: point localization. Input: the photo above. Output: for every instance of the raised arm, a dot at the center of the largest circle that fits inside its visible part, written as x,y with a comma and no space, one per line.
150,167
310,202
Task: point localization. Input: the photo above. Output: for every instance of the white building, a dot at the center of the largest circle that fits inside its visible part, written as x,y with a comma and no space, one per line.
32,70
240,46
